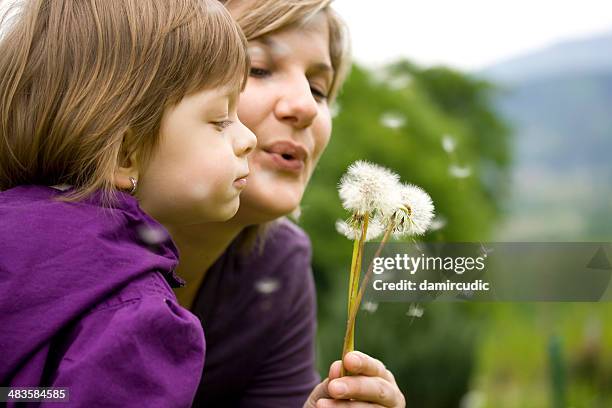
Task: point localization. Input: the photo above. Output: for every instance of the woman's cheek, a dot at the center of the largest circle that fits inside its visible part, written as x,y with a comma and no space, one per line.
323,137
253,104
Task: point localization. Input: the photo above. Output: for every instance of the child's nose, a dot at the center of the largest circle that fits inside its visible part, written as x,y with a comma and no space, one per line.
245,140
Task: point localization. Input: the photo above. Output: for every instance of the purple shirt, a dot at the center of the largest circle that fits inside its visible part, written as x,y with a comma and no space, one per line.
86,303
259,315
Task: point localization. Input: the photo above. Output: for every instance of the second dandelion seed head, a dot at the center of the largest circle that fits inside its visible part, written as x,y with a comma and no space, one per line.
416,214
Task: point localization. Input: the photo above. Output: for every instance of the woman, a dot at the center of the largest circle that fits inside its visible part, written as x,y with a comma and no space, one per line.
258,306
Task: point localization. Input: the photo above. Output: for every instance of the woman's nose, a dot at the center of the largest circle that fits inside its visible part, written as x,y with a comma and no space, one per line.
297,105
245,140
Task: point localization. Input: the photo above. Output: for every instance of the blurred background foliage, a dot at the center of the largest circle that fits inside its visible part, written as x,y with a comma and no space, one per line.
448,132
399,118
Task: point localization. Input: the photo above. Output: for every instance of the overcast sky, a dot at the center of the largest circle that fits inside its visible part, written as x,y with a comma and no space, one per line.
468,34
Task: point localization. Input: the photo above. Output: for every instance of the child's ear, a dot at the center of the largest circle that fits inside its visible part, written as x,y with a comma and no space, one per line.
127,168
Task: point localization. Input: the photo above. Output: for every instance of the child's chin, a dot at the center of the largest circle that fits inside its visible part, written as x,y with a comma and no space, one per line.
229,211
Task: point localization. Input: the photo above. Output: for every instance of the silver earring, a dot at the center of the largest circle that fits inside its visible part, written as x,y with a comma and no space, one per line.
134,185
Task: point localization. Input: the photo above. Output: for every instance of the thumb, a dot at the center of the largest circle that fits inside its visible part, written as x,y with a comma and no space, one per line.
335,369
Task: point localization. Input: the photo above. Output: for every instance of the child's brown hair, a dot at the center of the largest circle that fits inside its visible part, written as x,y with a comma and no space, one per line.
85,82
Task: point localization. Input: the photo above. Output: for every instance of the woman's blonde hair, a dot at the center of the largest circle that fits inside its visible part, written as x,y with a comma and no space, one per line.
261,17
84,83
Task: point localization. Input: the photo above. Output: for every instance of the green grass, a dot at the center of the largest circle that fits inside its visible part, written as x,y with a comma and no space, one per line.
513,367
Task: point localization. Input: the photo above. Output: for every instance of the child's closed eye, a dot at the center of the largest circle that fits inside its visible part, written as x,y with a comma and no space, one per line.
223,124
259,72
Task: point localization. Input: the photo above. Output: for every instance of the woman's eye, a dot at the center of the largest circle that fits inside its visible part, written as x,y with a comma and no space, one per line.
319,95
221,125
259,72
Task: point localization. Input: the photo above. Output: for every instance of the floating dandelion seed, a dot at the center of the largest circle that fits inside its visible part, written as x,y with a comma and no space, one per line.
448,143
380,75
369,307
335,109
375,229
267,286
414,311
392,120
369,189
419,247
416,218
438,223
256,51
473,399
465,294
399,81
394,81
280,49
484,251
459,171
151,235
61,187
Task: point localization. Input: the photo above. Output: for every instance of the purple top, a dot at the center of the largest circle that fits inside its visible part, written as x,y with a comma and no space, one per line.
258,312
86,304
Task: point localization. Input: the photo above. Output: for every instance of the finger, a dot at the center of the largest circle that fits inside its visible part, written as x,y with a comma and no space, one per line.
366,389
357,362
334,370
330,403
389,376
320,391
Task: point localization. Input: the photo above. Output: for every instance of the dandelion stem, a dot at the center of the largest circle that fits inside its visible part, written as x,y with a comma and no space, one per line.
351,275
350,324
356,273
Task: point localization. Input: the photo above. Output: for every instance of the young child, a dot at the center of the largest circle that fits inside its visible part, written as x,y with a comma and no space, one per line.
116,117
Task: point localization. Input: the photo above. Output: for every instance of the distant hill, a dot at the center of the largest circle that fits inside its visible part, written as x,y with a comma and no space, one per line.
565,58
559,101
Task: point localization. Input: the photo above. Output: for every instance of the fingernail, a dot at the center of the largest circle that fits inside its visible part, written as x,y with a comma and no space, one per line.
339,388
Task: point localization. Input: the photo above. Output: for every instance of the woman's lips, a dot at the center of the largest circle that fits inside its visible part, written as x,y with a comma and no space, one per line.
286,156
285,163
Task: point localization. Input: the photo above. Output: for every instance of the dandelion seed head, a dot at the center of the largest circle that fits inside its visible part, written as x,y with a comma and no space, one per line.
459,171
418,213
367,188
392,120
352,232
267,286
